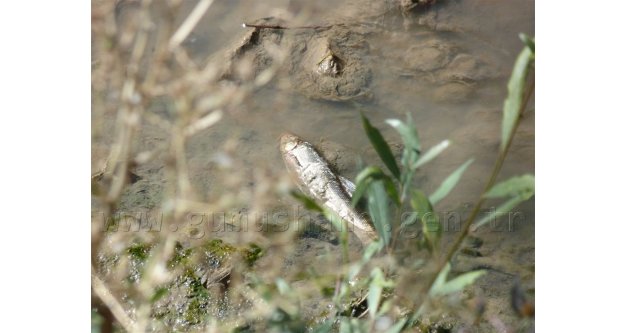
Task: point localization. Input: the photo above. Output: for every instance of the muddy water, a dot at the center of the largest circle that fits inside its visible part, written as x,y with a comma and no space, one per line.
486,29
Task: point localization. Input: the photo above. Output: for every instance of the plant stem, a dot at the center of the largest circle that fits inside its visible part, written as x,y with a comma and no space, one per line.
466,227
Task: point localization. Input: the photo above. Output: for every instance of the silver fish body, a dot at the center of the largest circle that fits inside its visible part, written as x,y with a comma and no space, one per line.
315,178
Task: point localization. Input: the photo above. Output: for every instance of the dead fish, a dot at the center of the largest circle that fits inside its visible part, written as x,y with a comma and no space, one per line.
315,178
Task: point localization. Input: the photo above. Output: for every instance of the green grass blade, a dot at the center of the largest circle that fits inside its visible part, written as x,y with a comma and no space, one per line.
431,154
379,210
449,183
516,86
381,146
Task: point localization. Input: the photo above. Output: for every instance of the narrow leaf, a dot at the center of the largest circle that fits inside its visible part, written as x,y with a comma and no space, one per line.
371,250
431,154
516,86
521,186
391,190
308,202
335,220
410,220
407,131
420,203
449,183
398,326
361,189
378,209
381,146
430,223
458,283
375,291
501,209
529,41
363,180
440,279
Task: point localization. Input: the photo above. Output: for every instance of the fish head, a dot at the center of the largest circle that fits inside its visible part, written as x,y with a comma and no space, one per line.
288,142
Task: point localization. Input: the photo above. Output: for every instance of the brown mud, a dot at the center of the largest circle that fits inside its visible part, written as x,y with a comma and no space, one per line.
446,64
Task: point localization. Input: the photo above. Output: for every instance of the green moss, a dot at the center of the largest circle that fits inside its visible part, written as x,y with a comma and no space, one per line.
181,256
140,251
138,254
252,254
195,311
158,294
218,249
328,291
106,262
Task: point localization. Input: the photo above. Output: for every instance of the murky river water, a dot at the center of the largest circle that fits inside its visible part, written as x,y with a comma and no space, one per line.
487,29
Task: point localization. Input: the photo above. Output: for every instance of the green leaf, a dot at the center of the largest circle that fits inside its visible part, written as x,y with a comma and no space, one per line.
529,41
449,183
431,154
440,279
420,203
336,221
391,190
398,326
366,177
516,86
407,131
324,327
412,150
379,210
158,294
351,325
376,285
96,321
283,286
375,291
517,189
459,283
381,146
371,250
430,223
363,180
501,209
410,220
519,186
308,202
442,287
